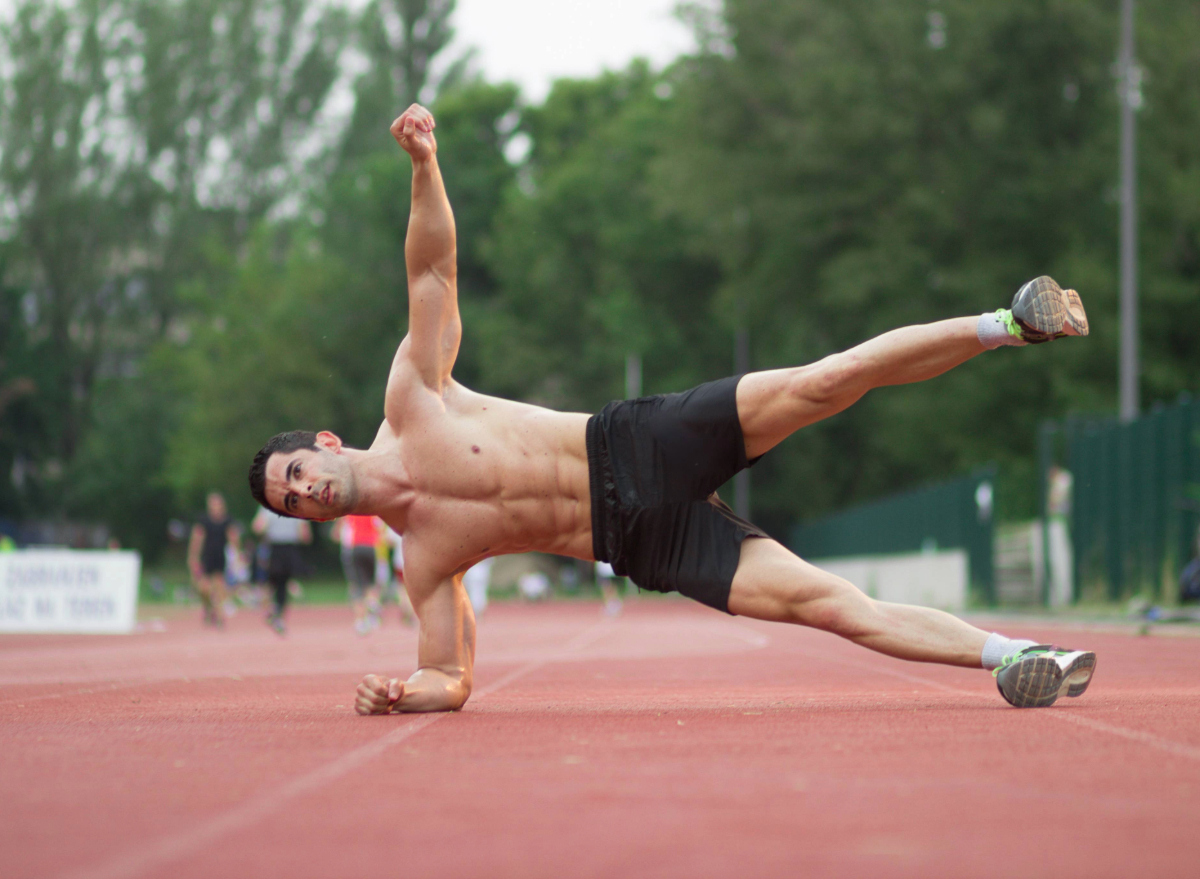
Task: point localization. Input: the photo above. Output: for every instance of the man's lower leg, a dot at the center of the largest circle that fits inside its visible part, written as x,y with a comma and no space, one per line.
916,353
923,634
918,634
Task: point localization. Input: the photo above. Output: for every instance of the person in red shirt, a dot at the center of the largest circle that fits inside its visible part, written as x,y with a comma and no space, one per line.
358,536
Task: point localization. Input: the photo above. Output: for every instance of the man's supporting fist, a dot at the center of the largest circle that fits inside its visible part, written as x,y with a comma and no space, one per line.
378,695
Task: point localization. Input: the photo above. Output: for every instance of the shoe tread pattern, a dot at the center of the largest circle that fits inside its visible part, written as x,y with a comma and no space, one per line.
1046,311
1038,681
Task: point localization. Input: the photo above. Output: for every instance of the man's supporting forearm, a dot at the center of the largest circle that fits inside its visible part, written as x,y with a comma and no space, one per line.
432,690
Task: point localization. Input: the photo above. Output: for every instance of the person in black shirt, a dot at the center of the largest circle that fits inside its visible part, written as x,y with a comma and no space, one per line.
206,557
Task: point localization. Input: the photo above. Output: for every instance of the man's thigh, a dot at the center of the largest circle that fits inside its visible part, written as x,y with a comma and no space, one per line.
773,583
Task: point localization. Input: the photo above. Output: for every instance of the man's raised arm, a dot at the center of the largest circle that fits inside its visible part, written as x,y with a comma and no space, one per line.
434,325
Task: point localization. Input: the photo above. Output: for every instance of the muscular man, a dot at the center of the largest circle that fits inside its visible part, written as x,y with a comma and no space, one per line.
465,476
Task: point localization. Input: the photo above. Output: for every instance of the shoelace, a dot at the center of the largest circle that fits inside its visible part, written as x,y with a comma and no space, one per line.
1037,650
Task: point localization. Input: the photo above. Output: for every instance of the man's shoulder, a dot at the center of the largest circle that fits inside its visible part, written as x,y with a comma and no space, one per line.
410,401
426,565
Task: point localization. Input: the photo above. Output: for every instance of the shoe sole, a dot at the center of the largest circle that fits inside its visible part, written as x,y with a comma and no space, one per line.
1040,680
1048,308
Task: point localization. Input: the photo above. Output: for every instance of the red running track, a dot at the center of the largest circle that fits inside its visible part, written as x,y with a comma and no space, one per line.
669,742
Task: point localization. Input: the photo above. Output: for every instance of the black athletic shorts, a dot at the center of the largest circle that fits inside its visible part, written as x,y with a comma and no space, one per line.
358,563
655,464
285,562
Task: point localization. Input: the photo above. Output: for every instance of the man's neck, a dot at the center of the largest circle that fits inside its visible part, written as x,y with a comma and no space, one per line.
382,484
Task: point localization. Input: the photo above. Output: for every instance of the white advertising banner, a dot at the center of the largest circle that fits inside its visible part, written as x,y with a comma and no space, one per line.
66,590
931,579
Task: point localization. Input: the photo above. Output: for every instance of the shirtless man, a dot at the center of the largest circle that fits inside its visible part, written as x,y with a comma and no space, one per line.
464,477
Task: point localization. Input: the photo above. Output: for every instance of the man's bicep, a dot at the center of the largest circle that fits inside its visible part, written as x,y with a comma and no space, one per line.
434,325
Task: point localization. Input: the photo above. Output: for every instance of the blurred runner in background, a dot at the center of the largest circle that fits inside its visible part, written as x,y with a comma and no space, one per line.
606,579
284,535
358,536
394,587
475,580
206,557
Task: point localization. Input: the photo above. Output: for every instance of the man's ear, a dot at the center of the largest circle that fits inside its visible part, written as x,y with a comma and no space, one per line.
329,441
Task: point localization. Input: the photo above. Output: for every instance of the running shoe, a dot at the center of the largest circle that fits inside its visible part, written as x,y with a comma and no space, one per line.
1042,311
1038,675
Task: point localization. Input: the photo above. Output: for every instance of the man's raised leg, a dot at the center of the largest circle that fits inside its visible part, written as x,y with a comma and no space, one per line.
773,404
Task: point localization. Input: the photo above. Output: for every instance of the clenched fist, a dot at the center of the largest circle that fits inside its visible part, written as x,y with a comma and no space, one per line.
378,695
413,130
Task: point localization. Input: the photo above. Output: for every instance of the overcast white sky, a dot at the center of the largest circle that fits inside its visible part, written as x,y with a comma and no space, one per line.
533,42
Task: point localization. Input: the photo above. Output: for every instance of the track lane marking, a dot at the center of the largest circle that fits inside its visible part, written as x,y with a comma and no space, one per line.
262,806
1176,748
1171,747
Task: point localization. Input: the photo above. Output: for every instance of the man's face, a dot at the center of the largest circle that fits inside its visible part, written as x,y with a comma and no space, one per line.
311,484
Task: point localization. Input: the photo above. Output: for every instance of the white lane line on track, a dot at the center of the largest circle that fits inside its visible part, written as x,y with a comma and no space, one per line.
1171,747
1176,748
179,845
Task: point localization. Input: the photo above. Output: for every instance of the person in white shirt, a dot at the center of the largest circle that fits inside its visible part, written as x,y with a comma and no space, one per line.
475,581
395,541
285,535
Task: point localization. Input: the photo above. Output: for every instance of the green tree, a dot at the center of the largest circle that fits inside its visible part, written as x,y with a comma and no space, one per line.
139,138
858,167
590,269
400,40
25,423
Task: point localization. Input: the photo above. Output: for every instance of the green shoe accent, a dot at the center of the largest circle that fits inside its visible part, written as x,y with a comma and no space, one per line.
1010,322
1025,653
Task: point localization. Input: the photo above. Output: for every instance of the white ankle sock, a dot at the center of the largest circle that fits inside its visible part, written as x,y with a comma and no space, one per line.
997,647
992,332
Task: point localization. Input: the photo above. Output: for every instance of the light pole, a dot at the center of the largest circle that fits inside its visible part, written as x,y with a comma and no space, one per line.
1130,93
633,375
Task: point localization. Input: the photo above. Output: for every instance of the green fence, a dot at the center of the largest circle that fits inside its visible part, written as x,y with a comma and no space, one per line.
949,515
1136,505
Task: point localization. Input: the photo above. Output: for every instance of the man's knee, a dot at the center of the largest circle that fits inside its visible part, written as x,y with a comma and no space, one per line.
839,608
830,381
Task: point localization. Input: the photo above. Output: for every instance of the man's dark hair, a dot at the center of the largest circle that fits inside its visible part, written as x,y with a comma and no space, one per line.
281,442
